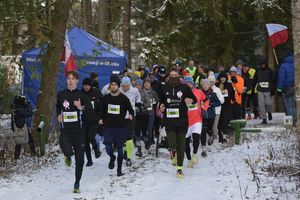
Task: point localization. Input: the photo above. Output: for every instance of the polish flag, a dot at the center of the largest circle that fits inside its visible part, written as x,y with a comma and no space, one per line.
67,56
278,34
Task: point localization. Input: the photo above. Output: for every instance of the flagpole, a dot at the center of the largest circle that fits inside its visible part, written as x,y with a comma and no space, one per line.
276,59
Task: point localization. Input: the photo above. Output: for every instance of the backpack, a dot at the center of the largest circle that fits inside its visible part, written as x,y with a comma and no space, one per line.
20,135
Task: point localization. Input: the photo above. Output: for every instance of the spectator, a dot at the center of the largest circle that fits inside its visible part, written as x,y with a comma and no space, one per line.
286,85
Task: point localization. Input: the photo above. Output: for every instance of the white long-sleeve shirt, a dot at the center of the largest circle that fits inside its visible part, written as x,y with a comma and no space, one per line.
220,97
133,95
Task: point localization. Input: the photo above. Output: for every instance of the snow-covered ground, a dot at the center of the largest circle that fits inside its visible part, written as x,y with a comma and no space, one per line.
260,168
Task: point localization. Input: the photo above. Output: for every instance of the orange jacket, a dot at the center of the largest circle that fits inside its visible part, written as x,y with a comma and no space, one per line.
238,88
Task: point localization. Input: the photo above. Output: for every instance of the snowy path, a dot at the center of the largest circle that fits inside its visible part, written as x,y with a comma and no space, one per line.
215,177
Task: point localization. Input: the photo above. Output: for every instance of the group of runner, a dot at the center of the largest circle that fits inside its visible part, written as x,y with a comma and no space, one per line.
189,103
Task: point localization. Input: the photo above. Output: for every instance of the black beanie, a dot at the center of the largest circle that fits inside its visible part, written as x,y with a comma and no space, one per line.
222,74
115,79
87,81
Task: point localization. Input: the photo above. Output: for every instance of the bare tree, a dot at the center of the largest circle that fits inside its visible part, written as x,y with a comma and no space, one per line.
51,62
126,29
296,37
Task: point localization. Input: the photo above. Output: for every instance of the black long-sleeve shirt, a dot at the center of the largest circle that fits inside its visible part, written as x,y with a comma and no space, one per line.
95,97
176,113
72,116
264,79
113,110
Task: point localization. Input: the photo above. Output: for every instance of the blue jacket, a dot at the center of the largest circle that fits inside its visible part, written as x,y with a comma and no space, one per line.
286,74
213,102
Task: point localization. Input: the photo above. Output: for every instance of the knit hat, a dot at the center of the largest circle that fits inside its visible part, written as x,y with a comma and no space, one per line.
115,79
139,82
178,63
211,78
188,79
239,62
162,70
125,80
154,66
205,82
233,69
87,81
147,80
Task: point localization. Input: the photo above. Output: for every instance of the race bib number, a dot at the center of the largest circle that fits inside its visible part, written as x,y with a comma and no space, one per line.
172,112
70,116
264,84
192,107
113,109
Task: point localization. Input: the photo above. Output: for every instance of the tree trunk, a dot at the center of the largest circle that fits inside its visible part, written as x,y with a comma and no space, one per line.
296,42
51,62
126,29
104,19
87,15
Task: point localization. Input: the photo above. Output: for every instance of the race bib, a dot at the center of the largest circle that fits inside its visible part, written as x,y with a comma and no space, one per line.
264,84
113,109
172,112
192,107
70,116
225,93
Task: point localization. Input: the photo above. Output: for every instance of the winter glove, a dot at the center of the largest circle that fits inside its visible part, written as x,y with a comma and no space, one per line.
279,92
234,79
140,106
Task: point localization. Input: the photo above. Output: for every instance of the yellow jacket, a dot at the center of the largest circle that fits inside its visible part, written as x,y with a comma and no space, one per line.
252,74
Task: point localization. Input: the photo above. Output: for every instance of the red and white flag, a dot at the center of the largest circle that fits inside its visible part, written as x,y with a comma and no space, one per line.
278,34
67,56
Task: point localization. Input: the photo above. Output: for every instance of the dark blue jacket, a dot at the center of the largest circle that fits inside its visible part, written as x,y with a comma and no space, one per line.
286,74
213,102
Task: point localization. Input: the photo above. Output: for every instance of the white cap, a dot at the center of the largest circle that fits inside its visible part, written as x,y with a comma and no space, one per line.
233,69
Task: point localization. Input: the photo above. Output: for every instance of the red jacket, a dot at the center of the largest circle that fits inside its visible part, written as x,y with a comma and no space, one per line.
195,110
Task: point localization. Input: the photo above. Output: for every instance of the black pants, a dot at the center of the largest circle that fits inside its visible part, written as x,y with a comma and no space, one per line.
141,128
176,141
207,128
157,124
196,143
243,106
90,134
130,124
224,120
252,99
71,144
236,111
31,146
